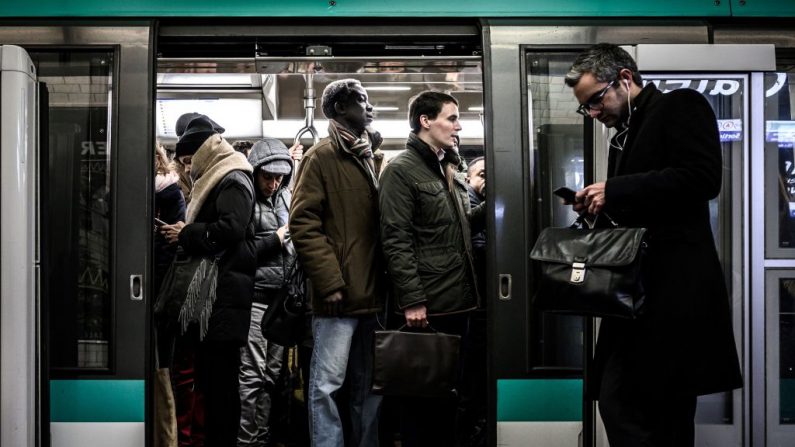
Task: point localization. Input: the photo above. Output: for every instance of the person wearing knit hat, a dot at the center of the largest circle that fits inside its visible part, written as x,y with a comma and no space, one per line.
185,182
215,326
185,118
196,132
189,402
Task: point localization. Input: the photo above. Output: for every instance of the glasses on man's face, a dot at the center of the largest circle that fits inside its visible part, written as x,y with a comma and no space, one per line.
595,101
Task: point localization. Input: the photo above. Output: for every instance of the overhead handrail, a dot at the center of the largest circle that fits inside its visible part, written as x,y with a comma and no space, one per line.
309,109
310,58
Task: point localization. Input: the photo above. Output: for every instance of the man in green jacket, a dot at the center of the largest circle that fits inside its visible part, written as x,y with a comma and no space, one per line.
425,232
334,226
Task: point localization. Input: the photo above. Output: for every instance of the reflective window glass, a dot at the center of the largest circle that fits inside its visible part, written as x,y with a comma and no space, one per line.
786,351
558,156
780,144
79,84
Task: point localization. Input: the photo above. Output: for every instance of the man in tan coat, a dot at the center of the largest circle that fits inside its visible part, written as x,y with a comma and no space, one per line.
334,224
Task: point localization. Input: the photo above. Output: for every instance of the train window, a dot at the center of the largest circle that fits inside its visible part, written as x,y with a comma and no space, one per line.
786,352
780,158
278,92
559,156
80,84
780,358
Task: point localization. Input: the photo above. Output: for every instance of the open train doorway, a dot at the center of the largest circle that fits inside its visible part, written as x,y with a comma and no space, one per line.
258,82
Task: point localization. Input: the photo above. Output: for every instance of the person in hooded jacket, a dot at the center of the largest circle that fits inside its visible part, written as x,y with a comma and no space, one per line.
261,360
219,224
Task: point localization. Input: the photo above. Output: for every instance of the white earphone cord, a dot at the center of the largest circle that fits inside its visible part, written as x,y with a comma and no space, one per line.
624,132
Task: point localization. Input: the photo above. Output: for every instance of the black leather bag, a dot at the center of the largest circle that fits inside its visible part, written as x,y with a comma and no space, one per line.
422,364
593,272
284,321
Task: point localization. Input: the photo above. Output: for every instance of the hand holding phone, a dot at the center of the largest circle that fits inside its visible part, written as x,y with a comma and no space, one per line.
566,194
159,223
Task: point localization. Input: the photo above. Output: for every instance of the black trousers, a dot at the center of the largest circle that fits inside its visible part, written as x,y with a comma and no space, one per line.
217,369
431,422
639,413
471,425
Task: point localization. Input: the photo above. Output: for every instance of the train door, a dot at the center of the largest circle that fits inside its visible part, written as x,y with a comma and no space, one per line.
95,159
535,143
538,360
260,80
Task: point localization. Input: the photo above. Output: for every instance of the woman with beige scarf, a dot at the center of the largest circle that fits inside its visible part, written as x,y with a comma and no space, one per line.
218,224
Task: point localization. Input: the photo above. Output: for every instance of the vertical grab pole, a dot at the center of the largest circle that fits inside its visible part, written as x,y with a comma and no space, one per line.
309,123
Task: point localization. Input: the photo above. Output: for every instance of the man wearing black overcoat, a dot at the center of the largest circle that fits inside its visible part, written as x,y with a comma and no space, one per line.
664,167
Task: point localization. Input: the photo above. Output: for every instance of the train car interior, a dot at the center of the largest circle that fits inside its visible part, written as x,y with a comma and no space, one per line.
276,89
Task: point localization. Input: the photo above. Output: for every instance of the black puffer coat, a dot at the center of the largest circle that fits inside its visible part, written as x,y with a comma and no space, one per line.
271,213
224,226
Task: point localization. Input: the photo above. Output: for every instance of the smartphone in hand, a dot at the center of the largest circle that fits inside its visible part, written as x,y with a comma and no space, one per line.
565,193
159,223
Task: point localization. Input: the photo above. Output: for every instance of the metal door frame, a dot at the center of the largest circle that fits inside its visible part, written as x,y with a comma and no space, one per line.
131,173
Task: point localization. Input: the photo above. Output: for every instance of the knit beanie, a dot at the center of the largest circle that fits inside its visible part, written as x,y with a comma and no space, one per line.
196,132
185,118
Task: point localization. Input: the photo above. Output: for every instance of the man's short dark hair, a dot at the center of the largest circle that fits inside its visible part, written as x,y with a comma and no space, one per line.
472,164
242,146
603,61
337,91
428,103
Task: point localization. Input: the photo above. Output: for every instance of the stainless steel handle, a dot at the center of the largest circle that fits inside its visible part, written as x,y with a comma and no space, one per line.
505,287
136,287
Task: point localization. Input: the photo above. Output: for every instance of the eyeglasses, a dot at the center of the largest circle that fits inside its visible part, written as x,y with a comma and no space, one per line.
595,101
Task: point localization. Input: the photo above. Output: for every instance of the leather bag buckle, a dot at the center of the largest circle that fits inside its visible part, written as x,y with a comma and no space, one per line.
577,272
